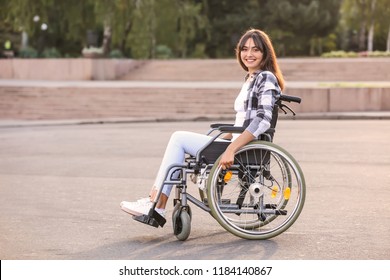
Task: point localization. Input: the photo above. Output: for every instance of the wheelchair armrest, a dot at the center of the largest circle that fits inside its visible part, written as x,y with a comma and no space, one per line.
232,129
216,125
227,127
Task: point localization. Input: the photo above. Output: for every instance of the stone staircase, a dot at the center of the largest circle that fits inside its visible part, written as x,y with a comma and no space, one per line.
294,69
46,103
41,102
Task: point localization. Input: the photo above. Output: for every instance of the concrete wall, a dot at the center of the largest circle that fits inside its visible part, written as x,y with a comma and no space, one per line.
65,69
323,100
294,69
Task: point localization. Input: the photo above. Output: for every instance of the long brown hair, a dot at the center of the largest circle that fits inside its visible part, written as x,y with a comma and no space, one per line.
263,43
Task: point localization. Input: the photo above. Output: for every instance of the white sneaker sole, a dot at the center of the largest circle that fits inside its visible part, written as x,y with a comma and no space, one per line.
133,213
130,211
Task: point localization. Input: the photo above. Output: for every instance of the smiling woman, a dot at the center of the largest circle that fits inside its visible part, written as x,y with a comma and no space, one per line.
251,56
255,51
254,111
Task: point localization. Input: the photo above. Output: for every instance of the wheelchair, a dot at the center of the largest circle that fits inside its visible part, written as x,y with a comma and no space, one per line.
259,197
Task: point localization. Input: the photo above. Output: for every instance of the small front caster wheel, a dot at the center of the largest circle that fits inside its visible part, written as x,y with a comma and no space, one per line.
181,224
178,208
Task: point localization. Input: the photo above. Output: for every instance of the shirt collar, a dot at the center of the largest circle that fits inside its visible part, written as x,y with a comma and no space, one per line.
257,72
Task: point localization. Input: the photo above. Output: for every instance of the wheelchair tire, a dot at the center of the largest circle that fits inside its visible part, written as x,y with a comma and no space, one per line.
181,221
178,206
264,194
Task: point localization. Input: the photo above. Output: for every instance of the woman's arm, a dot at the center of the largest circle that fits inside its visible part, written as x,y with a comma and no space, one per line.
228,156
227,136
266,90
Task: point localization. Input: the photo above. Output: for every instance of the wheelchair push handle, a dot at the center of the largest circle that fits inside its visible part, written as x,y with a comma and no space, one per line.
224,127
290,98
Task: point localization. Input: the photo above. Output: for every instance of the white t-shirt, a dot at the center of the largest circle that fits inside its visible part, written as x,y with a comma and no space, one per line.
239,107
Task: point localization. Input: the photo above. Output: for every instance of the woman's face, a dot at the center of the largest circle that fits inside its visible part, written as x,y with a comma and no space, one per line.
251,56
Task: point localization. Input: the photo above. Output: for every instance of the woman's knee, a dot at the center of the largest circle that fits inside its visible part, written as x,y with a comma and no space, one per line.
178,136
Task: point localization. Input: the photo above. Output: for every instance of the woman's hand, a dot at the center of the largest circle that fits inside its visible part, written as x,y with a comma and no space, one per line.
227,158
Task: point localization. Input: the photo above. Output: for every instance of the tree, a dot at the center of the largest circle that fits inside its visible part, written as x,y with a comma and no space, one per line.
304,22
123,23
66,22
382,25
104,12
189,21
228,19
369,17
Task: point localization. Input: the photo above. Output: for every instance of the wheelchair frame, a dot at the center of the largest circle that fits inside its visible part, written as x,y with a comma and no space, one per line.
267,184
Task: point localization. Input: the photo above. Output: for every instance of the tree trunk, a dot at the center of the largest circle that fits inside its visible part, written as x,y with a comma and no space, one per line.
129,25
106,38
388,41
24,40
312,46
362,36
319,47
370,41
363,25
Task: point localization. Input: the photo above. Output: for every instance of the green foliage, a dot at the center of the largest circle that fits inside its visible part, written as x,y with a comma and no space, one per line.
116,54
199,51
193,28
344,54
51,53
358,17
339,54
376,54
227,20
163,52
304,23
28,52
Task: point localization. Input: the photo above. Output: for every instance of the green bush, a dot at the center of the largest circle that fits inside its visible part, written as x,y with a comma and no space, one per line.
339,54
378,54
51,53
28,52
163,51
116,54
342,54
200,51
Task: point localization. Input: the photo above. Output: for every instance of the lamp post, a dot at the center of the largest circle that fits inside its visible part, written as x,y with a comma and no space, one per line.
42,33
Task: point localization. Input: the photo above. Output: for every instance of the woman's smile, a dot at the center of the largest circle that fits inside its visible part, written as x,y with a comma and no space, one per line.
251,56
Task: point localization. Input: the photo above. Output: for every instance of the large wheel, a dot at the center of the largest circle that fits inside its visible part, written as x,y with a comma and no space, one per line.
261,195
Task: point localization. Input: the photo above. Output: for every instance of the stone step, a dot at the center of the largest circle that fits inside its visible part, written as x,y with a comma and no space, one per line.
48,103
75,103
302,69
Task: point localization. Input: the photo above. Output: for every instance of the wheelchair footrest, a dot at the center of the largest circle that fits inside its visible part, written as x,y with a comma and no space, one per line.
153,219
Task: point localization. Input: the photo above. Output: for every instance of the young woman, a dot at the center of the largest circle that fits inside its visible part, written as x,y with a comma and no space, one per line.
254,104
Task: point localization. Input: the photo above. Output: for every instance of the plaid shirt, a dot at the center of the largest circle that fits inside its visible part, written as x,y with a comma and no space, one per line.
263,92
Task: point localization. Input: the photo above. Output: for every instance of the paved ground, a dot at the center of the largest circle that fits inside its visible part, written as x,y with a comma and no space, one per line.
61,185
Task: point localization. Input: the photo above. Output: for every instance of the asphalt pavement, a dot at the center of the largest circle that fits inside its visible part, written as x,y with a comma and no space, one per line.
61,184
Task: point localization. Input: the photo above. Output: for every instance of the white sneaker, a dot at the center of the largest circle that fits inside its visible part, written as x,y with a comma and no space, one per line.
140,207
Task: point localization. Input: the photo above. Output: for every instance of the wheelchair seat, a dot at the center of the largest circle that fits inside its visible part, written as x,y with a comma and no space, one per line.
211,152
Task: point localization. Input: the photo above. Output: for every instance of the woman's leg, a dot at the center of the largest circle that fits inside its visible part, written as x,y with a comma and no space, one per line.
180,144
